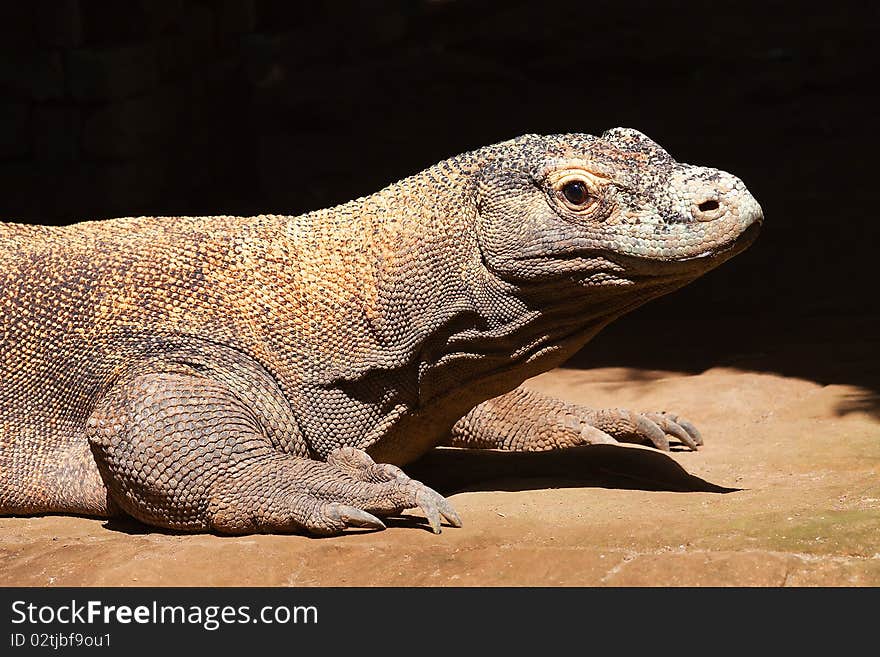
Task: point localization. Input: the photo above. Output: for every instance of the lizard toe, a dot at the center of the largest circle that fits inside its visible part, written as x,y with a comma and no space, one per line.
353,517
649,431
435,506
653,428
359,465
332,518
678,427
671,425
691,430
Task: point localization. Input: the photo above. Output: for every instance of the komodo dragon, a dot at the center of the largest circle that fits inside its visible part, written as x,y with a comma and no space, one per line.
241,374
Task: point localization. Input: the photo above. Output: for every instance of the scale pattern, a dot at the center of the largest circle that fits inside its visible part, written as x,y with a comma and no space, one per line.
270,373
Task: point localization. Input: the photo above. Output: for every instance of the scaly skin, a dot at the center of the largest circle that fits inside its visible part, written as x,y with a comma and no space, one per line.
240,375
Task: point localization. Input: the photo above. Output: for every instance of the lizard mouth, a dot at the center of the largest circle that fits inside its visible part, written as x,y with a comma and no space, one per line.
640,269
624,268
740,244
714,257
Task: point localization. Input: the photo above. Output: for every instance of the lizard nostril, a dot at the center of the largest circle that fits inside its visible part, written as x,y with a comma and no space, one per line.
709,209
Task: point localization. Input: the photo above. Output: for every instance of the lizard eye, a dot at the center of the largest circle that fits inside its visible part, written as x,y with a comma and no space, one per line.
576,194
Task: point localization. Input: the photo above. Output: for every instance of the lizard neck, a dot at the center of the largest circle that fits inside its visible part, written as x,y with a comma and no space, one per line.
516,332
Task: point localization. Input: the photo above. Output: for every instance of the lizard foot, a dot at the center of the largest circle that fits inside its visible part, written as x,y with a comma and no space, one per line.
652,429
324,498
393,491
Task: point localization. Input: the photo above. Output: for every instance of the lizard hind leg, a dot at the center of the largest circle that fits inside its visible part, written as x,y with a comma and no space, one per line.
181,451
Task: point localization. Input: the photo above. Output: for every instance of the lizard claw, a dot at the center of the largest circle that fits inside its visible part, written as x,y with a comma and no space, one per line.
354,517
333,518
672,425
434,505
646,428
689,428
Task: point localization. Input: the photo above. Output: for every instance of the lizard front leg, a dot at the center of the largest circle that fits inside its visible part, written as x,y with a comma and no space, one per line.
182,451
528,421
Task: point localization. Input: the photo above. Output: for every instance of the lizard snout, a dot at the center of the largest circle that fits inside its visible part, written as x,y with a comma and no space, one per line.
718,195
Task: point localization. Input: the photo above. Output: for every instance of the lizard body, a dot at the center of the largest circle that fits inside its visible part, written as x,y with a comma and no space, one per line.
240,375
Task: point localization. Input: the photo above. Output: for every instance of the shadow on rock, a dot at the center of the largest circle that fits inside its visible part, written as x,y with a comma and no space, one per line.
450,470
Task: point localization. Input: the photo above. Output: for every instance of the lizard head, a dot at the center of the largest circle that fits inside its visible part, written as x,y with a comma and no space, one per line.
609,211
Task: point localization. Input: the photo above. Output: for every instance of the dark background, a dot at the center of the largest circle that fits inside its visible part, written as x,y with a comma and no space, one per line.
114,108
